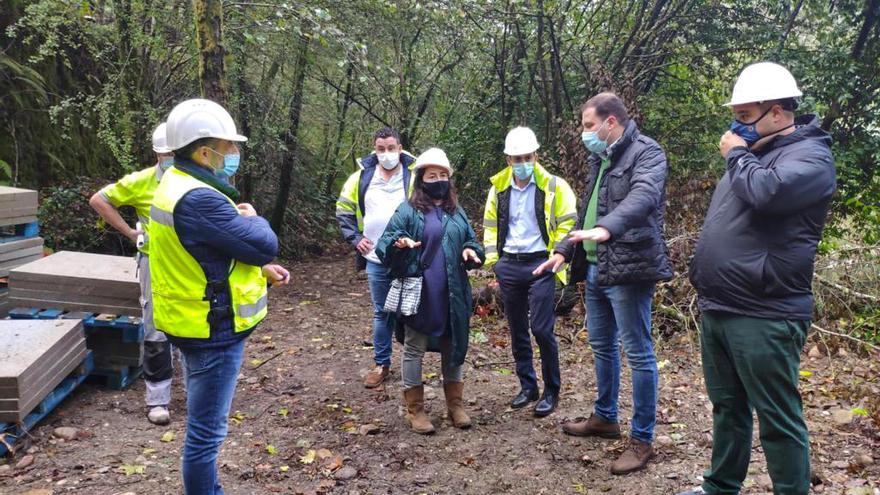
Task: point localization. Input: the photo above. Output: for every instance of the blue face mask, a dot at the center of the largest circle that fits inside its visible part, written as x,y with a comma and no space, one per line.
230,165
523,171
748,130
166,163
592,141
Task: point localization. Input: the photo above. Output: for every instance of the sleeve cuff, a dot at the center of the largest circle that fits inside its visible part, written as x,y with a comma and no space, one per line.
735,154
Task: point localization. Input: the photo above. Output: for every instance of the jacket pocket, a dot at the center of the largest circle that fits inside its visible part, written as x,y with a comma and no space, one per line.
617,183
637,235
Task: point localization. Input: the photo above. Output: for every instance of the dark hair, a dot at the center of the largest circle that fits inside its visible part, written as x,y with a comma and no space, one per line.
607,104
787,104
387,132
422,202
187,151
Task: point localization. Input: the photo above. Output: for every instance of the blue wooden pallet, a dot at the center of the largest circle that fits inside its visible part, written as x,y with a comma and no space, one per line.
11,432
22,231
118,378
131,328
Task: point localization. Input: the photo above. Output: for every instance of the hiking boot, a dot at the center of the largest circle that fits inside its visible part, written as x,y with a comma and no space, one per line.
695,491
158,415
376,376
455,404
634,458
593,427
415,410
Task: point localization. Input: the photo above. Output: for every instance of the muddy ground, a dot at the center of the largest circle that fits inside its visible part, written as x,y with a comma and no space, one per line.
301,418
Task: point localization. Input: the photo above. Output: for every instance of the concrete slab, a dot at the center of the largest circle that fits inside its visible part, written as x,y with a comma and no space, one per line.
36,373
24,342
6,267
6,247
24,408
51,294
54,366
27,252
18,220
118,273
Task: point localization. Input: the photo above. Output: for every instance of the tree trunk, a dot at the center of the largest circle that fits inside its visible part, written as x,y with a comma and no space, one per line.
291,138
340,131
209,40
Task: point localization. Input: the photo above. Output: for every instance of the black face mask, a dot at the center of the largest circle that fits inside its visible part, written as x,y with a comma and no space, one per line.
436,190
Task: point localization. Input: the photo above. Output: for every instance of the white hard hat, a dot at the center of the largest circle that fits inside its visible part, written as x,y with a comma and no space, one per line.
520,141
160,141
196,119
433,157
764,81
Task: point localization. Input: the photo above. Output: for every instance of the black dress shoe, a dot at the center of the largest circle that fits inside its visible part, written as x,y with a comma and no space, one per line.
523,398
546,405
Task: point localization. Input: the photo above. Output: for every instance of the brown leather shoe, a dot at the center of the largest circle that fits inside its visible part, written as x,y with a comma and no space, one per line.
634,458
375,377
593,427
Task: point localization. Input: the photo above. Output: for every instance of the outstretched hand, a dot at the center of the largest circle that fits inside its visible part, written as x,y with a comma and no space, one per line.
406,243
553,264
470,255
596,234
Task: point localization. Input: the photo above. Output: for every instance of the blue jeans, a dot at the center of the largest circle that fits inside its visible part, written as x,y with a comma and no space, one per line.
622,313
380,282
211,377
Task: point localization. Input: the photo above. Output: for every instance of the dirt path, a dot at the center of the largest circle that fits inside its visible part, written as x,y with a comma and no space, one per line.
300,411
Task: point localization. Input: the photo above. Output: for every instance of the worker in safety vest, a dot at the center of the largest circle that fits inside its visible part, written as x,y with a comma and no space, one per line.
210,261
366,203
528,211
136,190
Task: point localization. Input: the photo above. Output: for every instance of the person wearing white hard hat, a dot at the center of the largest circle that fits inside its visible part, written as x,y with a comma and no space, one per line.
618,249
365,204
210,260
528,210
136,190
430,238
753,268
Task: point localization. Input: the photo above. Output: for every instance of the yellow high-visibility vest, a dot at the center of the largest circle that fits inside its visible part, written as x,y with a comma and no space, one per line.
180,302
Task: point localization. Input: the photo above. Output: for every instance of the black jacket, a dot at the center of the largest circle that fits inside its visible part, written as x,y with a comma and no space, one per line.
632,198
756,251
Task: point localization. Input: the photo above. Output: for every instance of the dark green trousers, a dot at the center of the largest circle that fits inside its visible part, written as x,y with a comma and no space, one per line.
752,363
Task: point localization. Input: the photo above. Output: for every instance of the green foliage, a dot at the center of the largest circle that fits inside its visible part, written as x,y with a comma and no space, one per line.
82,85
67,222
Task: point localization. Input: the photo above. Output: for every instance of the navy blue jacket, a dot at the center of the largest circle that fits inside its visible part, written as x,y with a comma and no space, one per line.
756,251
212,231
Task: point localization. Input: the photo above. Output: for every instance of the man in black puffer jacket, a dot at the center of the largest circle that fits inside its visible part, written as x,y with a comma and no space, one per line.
621,256
753,270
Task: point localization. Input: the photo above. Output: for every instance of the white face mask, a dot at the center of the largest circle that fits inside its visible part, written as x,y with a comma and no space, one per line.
389,161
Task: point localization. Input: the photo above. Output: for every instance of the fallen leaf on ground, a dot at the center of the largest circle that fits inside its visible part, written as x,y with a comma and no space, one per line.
130,469
308,458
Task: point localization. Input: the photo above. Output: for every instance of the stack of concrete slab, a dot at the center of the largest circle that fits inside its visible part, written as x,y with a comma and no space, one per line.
17,206
19,243
35,356
74,281
18,252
